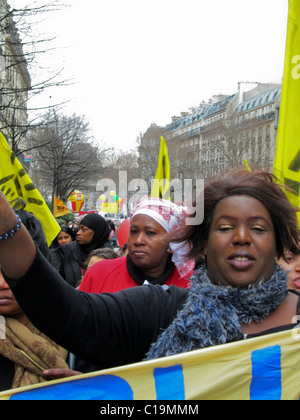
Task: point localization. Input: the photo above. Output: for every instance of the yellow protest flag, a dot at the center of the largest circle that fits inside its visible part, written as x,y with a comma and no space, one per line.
247,166
59,207
16,184
287,156
161,183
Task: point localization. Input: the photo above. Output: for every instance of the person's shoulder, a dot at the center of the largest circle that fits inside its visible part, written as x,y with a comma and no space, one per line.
178,293
108,265
101,276
174,294
177,280
164,302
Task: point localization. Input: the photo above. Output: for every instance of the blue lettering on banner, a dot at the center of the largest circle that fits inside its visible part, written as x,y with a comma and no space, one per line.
169,383
105,387
266,374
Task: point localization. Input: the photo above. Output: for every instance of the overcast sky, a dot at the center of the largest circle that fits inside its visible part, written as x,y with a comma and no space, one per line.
137,62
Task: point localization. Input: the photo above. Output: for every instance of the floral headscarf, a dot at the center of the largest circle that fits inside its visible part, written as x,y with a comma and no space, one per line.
170,217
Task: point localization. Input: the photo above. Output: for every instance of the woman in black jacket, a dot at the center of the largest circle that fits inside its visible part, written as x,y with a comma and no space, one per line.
238,293
70,259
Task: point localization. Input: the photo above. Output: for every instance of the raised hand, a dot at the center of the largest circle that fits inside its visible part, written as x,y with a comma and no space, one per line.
8,218
17,249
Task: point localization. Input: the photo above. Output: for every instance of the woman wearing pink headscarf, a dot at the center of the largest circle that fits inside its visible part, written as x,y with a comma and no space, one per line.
151,258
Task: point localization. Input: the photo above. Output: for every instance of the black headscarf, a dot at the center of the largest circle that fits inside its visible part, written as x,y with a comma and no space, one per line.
99,226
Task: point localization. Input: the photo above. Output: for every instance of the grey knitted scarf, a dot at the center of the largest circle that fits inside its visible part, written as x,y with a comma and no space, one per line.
213,314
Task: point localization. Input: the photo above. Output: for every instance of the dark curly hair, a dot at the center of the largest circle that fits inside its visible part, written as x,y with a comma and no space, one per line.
258,184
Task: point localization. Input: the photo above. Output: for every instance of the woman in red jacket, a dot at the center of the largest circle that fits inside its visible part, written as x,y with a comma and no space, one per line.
150,257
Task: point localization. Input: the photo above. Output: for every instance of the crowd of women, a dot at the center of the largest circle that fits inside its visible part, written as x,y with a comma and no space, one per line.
235,276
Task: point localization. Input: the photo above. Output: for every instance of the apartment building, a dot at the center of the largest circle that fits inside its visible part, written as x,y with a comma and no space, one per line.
221,133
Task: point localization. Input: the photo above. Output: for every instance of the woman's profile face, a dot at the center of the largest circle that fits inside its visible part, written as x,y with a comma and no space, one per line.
84,235
241,248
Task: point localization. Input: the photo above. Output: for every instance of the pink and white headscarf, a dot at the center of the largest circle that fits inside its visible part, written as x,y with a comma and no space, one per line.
170,217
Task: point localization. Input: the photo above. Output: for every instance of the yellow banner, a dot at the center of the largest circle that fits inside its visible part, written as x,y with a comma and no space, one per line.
264,368
161,183
287,158
17,186
109,207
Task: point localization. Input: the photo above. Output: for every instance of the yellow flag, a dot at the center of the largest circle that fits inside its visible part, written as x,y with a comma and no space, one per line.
247,166
161,183
16,184
59,207
287,157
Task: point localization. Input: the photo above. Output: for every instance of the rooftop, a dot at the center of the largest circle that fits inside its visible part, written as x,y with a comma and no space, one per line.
260,100
206,110
203,111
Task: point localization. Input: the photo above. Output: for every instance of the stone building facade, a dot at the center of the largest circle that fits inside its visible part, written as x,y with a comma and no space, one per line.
220,134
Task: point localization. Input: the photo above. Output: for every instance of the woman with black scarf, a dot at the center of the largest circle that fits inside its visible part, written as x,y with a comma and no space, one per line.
70,259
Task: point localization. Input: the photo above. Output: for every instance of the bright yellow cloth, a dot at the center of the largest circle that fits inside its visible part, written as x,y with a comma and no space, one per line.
16,184
161,184
287,158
